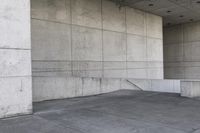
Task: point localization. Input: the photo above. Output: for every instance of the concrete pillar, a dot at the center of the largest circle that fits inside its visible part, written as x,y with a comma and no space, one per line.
15,58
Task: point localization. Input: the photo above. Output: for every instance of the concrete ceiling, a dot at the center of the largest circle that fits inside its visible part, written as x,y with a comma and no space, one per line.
173,11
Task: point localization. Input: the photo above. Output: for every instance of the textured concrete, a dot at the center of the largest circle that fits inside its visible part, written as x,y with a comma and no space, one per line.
190,9
154,26
118,112
46,88
190,88
172,86
15,58
181,51
52,10
15,62
113,18
136,26
91,40
51,38
114,45
97,42
16,96
114,69
59,87
136,48
13,16
86,44
86,13
182,56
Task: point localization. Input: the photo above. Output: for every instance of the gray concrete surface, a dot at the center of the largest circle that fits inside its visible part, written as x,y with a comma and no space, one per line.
92,39
15,58
47,88
190,88
181,51
182,56
170,10
118,112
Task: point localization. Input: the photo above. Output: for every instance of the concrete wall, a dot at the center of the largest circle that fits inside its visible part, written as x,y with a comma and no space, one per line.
182,56
190,88
60,87
15,58
182,51
90,39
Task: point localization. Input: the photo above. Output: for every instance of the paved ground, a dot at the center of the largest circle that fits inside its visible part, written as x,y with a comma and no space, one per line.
118,112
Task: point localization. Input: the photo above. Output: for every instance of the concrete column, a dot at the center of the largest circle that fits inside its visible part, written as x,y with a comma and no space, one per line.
15,58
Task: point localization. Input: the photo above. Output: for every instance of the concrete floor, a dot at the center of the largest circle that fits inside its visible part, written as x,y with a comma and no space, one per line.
118,112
